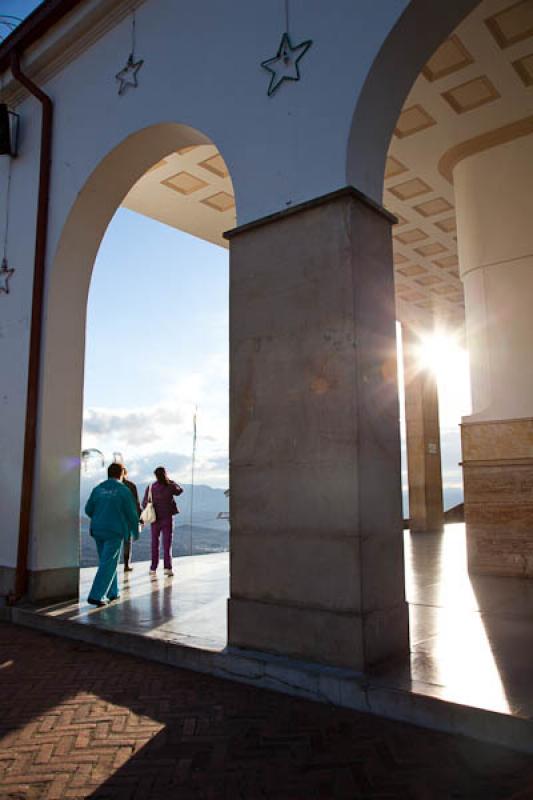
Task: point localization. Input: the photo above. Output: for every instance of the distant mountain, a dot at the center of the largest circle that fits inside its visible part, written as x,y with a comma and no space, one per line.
207,500
198,540
209,533
452,496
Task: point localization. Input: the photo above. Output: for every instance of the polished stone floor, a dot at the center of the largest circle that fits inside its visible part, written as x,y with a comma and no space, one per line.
471,638
189,608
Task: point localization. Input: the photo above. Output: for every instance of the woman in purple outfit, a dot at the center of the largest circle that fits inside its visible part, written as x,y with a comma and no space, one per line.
163,492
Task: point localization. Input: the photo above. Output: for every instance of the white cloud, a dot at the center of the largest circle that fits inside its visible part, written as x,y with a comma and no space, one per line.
135,427
147,437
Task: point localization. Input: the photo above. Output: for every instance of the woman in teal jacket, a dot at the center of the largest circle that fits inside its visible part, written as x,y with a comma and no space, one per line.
114,519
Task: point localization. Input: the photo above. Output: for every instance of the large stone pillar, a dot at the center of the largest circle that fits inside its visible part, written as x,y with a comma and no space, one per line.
316,541
424,472
495,234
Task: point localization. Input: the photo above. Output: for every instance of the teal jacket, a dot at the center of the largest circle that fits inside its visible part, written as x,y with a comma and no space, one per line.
112,510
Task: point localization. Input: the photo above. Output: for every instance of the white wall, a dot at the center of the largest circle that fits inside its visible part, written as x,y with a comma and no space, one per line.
15,317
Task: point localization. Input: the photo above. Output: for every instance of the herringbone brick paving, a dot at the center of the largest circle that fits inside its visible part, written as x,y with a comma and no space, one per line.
80,722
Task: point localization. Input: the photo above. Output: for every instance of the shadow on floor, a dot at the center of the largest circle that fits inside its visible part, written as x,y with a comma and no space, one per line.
81,722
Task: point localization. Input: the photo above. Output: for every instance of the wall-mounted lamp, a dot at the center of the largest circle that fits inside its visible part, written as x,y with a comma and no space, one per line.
9,131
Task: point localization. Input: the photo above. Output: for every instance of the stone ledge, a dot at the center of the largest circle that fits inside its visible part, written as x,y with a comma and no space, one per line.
508,440
7,581
338,687
339,194
497,462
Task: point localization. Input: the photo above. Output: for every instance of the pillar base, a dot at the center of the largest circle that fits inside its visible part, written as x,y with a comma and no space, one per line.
54,584
7,580
342,639
498,490
426,528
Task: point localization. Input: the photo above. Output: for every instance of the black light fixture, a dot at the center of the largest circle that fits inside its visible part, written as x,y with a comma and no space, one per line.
9,128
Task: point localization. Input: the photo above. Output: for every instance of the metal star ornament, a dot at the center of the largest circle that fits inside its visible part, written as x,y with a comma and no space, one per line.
5,275
284,66
128,76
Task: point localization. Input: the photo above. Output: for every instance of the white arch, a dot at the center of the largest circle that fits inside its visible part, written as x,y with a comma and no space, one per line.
417,34
55,529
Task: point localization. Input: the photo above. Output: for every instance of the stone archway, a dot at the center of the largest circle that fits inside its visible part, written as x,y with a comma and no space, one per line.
54,551
415,37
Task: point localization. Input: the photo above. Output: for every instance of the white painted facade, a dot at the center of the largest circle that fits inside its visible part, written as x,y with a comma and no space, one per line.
201,82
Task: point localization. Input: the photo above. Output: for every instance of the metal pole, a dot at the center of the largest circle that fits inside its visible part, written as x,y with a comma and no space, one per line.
193,460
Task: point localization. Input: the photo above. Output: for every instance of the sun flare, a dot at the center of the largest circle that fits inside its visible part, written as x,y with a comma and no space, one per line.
444,355
439,352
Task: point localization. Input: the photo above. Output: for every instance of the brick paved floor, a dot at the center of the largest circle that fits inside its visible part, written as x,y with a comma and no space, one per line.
80,722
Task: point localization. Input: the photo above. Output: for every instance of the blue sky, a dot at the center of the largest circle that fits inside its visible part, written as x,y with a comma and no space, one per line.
157,348
17,8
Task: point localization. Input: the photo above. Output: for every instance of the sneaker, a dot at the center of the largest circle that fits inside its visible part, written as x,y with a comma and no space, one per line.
128,569
112,599
153,572
93,602
169,573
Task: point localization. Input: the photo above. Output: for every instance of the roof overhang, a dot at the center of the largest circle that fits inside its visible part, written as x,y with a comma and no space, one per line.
44,17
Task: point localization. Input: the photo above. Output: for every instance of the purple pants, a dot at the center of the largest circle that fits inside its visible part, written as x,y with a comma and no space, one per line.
163,526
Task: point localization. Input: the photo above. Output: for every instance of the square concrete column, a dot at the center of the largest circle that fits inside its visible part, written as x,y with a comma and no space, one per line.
316,537
424,471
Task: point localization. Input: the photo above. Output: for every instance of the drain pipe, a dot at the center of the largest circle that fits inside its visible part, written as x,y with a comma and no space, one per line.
34,365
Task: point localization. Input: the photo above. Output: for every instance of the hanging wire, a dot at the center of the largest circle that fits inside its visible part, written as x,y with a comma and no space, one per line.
10,22
133,34
6,229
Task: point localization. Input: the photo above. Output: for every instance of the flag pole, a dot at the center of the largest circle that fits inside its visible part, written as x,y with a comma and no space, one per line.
193,461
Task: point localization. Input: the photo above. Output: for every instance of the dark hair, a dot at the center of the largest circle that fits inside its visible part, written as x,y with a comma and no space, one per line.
115,470
161,475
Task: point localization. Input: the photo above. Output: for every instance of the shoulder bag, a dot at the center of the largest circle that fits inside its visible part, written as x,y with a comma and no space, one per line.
148,514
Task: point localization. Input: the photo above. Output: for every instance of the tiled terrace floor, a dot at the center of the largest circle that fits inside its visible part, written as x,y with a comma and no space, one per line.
82,722
471,639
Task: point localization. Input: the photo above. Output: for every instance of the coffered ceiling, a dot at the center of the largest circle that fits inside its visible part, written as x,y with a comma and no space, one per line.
189,189
475,91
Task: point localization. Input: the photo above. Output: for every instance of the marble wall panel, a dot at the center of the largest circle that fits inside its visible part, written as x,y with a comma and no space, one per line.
498,490
505,439
502,483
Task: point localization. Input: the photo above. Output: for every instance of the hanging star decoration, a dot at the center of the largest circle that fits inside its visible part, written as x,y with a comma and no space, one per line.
5,274
128,75
284,66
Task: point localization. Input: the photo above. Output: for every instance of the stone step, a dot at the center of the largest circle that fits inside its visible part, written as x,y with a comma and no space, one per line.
338,687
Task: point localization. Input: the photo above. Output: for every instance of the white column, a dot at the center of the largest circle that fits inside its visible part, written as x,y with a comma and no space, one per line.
494,198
